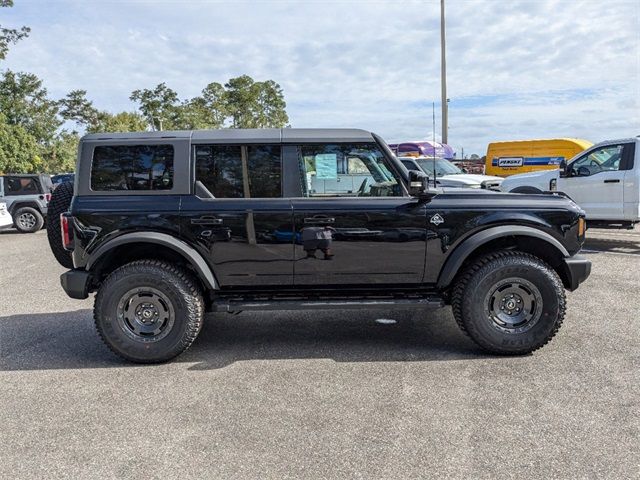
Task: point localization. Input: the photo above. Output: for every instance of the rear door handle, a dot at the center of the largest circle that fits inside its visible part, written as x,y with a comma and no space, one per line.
319,220
613,180
206,221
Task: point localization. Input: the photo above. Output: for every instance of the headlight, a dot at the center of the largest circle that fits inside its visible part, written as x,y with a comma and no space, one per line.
472,185
582,227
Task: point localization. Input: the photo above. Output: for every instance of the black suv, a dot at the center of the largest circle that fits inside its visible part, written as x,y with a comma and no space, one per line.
167,226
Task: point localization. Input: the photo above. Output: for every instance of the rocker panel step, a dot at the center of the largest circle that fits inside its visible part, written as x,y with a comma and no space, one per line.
224,305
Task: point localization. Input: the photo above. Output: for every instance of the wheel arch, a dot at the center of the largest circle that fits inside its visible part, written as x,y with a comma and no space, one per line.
523,238
16,204
137,245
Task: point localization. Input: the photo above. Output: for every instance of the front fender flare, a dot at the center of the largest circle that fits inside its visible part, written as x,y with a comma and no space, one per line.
456,259
187,251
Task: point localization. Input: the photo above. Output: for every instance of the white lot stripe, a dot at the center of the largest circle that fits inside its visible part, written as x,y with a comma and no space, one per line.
589,250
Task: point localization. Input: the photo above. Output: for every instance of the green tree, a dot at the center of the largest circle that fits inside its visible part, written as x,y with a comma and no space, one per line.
19,151
251,104
76,107
160,106
9,36
25,102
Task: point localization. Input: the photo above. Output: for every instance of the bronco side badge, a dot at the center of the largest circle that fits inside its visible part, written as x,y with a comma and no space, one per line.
437,219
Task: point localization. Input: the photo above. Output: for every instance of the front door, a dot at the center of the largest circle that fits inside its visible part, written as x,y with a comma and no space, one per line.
374,234
595,181
237,218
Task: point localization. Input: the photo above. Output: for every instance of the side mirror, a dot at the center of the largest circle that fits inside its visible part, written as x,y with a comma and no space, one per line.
583,172
418,183
563,169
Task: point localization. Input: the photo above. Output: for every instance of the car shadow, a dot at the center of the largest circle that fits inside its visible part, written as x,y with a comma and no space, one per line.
629,245
67,340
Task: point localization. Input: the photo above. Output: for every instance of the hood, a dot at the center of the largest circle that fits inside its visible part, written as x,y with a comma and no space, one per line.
467,179
543,175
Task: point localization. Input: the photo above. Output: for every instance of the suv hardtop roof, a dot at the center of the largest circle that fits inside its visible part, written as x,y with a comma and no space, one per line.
250,135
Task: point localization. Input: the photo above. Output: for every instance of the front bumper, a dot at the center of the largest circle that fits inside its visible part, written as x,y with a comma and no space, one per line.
577,270
76,283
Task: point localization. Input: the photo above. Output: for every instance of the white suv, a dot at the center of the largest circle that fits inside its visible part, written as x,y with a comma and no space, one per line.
604,180
6,221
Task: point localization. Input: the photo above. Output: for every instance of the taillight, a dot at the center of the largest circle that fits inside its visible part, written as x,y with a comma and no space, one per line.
47,197
66,232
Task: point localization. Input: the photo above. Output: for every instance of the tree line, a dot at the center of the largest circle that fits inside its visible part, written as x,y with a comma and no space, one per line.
40,134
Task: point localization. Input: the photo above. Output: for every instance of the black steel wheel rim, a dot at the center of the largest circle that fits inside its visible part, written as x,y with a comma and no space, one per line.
27,220
145,314
514,305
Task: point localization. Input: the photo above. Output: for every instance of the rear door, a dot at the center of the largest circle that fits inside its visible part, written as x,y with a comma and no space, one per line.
595,181
238,218
374,234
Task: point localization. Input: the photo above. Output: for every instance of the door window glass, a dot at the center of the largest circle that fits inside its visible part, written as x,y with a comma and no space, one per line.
132,167
219,168
265,171
350,170
603,159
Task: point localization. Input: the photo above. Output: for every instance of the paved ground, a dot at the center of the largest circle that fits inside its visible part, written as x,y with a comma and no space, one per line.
290,395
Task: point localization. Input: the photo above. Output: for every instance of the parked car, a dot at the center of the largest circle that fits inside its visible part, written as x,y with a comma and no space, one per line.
27,197
6,221
141,231
447,174
604,180
61,178
522,156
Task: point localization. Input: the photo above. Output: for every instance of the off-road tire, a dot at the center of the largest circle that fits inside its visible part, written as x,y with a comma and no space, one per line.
178,287
30,212
60,203
474,286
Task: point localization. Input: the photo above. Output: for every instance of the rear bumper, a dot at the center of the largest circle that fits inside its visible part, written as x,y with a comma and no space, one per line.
577,269
76,283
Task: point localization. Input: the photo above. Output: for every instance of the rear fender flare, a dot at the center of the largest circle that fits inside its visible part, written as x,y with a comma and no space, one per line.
189,253
457,258
16,204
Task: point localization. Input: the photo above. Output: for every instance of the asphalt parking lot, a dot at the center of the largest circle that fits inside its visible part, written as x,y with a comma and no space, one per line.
322,395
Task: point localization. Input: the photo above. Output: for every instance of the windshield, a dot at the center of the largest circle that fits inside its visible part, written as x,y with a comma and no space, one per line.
443,167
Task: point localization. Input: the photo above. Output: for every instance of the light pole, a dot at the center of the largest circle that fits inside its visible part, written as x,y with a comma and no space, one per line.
443,77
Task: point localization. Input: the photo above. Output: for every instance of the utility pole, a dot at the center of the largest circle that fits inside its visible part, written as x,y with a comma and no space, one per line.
443,78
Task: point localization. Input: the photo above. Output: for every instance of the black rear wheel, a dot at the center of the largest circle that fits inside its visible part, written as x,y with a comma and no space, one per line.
27,219
149,311
60,203
509,302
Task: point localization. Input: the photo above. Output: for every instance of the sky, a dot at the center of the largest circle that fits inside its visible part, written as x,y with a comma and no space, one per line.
516,69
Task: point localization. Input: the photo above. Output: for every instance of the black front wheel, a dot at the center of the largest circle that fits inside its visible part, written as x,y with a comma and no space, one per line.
149,311
509,302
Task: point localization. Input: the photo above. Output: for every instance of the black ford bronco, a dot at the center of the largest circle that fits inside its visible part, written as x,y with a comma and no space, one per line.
167,226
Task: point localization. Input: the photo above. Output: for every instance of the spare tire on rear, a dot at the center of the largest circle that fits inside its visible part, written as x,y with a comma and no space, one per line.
60,203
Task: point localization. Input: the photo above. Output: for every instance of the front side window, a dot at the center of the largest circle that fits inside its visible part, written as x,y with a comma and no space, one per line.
349,170
603,159
132,167
220,169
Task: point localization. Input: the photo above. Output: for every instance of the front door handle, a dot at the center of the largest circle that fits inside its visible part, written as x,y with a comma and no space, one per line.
613,180
206,221
318,220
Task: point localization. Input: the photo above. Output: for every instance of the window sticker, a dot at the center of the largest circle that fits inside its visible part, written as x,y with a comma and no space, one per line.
326,166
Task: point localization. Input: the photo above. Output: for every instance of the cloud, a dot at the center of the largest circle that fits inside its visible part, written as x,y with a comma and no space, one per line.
517,69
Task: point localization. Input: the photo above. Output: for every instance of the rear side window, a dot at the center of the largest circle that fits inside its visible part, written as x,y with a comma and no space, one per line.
132,167
220,169
21,186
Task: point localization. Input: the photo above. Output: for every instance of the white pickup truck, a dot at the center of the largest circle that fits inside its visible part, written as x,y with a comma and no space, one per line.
604,180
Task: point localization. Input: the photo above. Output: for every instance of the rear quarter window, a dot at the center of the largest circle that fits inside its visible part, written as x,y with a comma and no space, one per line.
132,167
